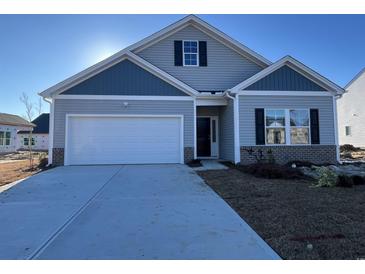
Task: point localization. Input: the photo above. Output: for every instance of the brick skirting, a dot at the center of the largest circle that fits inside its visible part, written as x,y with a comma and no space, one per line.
58,155
188,154
317,154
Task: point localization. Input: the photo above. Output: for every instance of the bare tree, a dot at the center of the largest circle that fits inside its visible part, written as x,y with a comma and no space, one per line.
29,113
39,106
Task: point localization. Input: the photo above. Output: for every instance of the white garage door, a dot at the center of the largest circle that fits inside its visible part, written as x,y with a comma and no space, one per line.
123,140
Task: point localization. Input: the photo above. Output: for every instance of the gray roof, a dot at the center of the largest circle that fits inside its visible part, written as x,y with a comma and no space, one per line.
14,120
42,125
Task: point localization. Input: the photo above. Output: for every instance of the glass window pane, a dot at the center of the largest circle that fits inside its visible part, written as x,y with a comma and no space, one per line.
299,118
7,134
275,136
275,118
214,137
299,135
193,59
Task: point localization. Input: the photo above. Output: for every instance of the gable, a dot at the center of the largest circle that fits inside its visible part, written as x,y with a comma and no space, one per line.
124,78
285,79
225,66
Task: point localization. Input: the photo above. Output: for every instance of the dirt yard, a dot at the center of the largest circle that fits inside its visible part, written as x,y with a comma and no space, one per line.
15,166
295,219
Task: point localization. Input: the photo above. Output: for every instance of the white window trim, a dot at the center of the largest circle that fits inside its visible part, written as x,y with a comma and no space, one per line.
288,127
197,53
4,138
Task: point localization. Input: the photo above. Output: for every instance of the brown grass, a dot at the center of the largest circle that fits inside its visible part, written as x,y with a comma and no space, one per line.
16,170
291,216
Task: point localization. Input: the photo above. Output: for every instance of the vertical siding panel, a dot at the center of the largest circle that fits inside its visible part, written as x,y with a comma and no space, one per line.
285,79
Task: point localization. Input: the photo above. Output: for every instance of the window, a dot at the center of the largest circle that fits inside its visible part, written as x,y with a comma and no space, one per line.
26,141
5,137
2,138
190,53
348,130
299,126
284,126
275,126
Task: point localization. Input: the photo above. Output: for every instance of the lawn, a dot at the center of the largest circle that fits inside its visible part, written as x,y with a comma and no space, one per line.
298,221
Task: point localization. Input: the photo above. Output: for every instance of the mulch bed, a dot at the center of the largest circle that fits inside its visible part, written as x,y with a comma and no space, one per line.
295,219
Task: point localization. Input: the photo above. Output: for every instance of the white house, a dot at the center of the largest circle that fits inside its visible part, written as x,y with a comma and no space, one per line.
39,134
351,112
10,125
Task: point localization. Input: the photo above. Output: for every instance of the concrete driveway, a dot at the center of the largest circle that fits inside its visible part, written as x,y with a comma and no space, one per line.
122,212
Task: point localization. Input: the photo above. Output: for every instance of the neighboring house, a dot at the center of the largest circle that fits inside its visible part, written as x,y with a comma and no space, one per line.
189,91
9,126
351,112
39,134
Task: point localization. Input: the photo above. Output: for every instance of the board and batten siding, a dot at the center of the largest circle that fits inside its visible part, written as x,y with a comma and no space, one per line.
124,78
247,105
225,69
285,78
226,132
138,107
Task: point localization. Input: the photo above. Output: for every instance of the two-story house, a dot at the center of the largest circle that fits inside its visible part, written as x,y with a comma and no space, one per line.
190,91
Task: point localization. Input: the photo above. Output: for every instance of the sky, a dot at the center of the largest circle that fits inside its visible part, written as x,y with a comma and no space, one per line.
38,51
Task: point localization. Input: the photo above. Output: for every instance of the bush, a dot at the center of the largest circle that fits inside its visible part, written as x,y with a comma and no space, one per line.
344,181
272,171
194,163
358,180
43,162
348,147
327,178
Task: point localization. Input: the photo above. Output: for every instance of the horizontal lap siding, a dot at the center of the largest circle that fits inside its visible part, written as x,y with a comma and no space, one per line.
226,132
225,69
67,106
247,105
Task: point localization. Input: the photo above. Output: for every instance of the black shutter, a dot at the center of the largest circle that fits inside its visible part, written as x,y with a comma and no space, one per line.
314,118
260,126
203,60
178,53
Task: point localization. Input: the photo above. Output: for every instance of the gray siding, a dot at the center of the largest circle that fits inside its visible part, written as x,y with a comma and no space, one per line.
225,69
125,78
64,106
287,79
247,105
226,132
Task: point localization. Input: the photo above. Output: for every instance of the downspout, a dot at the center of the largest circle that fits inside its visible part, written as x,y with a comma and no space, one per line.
335,98
50,133
236,140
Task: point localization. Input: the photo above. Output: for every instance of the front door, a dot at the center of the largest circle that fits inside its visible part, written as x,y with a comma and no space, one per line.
203,137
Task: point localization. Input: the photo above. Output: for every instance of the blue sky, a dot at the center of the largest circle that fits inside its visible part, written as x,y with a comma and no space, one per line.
37,51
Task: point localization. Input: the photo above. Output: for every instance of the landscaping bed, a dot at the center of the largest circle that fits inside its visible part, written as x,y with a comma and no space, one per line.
15,166
297,220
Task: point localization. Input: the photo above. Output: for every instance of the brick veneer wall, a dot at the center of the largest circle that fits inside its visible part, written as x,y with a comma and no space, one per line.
58,155
317,154
188,154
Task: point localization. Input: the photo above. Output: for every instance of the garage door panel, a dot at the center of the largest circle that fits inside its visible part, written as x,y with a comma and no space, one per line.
123,140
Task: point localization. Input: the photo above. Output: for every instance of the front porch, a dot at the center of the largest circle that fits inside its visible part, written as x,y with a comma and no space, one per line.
214,132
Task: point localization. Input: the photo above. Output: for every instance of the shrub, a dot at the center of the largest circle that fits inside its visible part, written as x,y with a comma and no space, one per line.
43,162
194,163
344,181
348,147
272,171
358,180
327,178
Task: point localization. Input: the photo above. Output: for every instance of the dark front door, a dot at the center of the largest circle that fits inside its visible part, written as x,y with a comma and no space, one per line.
203,137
